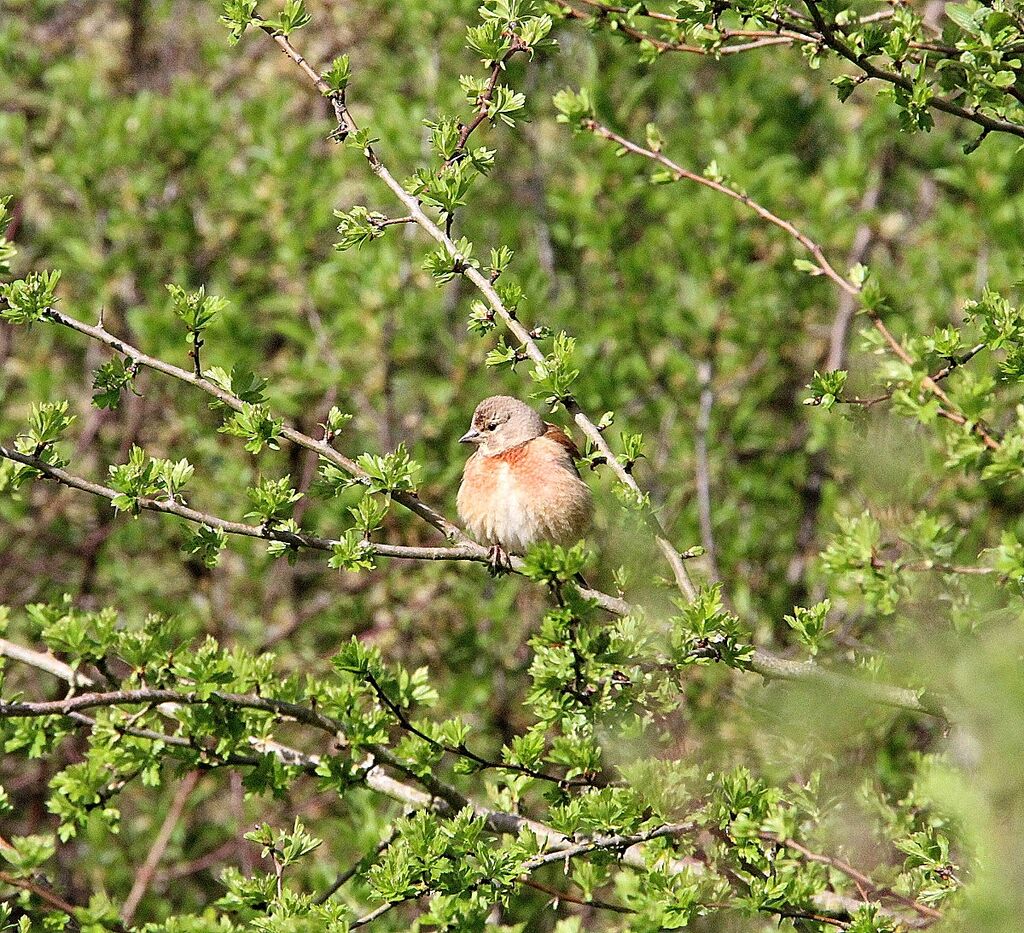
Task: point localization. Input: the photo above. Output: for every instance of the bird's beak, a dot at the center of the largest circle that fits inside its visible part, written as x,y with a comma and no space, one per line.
472,436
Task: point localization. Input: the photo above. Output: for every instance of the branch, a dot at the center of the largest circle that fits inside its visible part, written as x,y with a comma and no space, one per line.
468,551
156,851
483,102
857,876
461,751
556,846
762,38
705,371
948,409
789,32
361,865
508,318
838,44
937,376
97,332
43,893
599,129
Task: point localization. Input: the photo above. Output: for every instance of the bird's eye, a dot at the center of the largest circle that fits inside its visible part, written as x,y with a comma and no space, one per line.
492,426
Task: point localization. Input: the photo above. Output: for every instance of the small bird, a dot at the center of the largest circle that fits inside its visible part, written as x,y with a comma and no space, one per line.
521,484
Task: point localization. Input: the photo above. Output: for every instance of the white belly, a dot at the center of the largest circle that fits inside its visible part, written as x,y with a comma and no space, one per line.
509,521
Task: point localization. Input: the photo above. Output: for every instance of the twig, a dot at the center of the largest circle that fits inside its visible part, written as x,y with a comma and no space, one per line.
483,103
156,851
97,332
373,915
507,317
361,865
599,129
790,32
705,371
572,899
859,877
43,893
948,410
847,305
838,44
461,751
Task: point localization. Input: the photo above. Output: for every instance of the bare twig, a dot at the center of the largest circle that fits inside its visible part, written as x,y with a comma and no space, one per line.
156,851
705,372
948,410
859,877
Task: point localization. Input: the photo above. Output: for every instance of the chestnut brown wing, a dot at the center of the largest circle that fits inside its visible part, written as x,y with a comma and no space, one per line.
556,434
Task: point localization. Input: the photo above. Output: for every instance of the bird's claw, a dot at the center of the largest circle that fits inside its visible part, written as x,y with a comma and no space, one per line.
498,561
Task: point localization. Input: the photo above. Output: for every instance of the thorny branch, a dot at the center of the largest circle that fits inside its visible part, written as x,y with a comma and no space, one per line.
508,318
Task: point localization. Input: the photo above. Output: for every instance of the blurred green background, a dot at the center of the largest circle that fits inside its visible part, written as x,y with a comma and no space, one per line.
140,150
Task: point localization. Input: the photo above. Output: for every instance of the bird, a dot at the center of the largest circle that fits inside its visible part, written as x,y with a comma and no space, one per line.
520,486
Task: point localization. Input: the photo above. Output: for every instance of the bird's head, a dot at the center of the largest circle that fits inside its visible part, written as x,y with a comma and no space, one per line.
501,422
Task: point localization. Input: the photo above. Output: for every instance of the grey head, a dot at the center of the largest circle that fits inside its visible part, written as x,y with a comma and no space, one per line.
502,422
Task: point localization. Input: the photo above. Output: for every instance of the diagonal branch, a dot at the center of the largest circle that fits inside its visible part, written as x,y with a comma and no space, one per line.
156,851
468,551
507,317
947,409
98,332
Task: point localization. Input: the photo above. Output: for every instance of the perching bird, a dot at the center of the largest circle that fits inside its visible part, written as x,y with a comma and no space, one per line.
521,485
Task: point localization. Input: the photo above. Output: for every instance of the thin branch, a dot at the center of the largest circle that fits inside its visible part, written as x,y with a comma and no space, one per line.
857,876
43,893
948,410
705,371
483,104
461,751
599,129
572,899
762,662
847,305
763,38
789,32
156,851
97,332
373,915
507,317
937,376
363,864
468,551
837,43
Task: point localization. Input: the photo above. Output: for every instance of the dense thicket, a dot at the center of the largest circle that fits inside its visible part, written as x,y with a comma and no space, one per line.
258,265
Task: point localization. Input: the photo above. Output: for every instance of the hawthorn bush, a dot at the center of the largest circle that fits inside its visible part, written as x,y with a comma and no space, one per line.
260,262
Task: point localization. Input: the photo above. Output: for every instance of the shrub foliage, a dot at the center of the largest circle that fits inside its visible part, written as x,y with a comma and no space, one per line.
762,260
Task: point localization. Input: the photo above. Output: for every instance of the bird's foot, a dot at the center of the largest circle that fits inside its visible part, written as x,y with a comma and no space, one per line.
498,561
